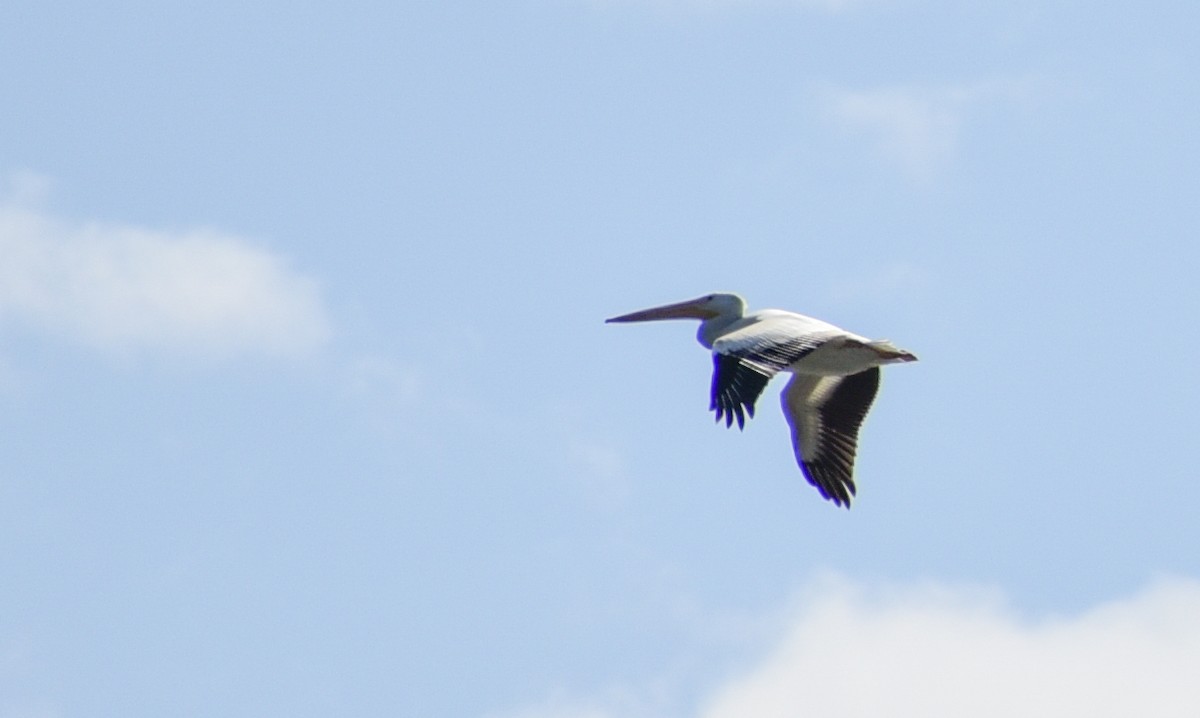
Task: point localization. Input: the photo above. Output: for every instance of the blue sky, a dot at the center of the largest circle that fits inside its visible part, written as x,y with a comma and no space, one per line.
310,408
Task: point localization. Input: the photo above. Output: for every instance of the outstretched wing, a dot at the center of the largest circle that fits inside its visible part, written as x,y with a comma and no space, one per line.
745,360
825,413
736,385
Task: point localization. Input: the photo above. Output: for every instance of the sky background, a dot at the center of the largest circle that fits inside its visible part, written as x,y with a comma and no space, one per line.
309,408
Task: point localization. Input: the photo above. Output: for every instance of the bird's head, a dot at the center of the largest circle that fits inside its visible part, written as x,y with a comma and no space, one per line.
707,307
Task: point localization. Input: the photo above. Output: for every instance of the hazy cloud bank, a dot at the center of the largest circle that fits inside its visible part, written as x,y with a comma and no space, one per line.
919,128
124,288
931,651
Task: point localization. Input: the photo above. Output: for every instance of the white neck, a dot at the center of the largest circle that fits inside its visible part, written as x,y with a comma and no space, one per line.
710,329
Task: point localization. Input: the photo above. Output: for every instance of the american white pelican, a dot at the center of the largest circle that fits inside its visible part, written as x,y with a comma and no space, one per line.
835,375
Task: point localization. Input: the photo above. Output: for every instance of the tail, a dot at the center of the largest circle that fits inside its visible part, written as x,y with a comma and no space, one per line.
890,353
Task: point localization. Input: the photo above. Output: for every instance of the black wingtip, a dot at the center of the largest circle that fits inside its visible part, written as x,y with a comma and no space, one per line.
838,500
837,489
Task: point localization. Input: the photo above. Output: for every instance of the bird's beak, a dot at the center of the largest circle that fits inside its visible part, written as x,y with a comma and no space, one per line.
691,309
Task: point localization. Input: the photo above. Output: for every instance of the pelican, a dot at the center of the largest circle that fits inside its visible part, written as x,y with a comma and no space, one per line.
835,375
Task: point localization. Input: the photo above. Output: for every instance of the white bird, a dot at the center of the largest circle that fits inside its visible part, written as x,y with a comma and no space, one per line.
835,375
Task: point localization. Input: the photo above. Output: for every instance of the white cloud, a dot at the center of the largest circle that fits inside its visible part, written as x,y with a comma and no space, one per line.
919,128
124,288
937,651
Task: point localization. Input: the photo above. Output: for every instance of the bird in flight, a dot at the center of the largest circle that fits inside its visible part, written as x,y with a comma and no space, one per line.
835,376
